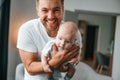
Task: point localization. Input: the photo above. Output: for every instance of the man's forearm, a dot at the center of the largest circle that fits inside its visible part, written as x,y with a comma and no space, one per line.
35,68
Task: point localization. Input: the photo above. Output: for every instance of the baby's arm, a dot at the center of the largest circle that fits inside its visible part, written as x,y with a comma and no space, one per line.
45,65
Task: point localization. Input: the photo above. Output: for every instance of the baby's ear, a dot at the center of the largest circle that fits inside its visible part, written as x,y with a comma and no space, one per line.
76,42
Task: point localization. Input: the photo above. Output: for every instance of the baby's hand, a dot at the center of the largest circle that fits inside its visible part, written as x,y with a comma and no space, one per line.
47,68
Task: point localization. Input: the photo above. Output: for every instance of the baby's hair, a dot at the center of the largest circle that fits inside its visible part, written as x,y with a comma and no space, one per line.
70,27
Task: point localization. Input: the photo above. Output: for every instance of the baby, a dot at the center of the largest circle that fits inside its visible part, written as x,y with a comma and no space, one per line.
66,37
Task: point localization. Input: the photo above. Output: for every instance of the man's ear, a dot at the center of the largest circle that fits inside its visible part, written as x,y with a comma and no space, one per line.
62,10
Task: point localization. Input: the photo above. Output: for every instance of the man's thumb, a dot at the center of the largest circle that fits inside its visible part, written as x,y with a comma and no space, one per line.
54,49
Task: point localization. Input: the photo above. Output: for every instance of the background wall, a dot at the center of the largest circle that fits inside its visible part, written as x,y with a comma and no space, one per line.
105,29
110,6
23,10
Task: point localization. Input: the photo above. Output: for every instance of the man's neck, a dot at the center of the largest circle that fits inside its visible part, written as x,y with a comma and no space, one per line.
52,33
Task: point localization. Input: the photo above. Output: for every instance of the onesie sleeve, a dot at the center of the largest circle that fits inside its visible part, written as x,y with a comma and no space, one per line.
79,41
47,49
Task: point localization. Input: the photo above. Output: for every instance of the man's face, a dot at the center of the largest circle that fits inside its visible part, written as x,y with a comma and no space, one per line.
50,13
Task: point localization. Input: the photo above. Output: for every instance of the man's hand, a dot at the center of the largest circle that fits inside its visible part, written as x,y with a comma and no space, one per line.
59,57
75,60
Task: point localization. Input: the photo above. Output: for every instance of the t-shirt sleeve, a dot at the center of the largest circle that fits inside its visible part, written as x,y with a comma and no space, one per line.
25,40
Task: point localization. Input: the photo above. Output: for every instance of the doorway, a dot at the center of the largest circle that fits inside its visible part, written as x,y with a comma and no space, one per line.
91,41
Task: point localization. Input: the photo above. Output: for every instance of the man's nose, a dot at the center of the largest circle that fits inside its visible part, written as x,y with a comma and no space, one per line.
51,14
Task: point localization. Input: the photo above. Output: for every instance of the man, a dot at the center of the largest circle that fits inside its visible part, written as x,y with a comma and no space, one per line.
34,34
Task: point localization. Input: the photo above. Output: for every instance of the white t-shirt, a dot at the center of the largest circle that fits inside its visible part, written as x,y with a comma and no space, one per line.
32,37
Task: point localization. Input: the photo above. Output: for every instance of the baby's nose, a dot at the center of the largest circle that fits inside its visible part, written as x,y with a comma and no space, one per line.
62,43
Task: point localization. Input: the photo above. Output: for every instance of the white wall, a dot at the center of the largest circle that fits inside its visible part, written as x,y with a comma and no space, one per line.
112,6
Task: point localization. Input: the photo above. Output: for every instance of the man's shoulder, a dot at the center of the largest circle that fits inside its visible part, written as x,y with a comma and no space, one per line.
29,24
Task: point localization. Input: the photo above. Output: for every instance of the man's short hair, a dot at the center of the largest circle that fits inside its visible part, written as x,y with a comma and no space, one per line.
62,1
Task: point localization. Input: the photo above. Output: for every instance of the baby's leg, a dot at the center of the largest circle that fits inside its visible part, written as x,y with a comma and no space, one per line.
70,72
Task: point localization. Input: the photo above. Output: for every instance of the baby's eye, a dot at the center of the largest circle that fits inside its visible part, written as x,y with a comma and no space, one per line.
67,41
60,38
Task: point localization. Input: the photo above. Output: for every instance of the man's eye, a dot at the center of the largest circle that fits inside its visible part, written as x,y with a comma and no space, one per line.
57,9
44,10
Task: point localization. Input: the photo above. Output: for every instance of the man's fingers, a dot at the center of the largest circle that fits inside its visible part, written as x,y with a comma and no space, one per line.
73,47
54,49
73,52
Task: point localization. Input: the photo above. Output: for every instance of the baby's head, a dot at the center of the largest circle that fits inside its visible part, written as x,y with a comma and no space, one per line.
67,35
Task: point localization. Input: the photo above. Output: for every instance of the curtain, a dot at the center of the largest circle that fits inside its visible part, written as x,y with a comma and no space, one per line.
4,28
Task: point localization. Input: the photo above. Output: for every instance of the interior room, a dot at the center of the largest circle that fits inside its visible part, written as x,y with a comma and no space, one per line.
98,22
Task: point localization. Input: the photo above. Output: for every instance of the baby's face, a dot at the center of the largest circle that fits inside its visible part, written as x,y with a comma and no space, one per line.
64,40
67,35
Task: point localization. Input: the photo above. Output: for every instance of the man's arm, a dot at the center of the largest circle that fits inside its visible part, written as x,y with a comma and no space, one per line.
33,66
